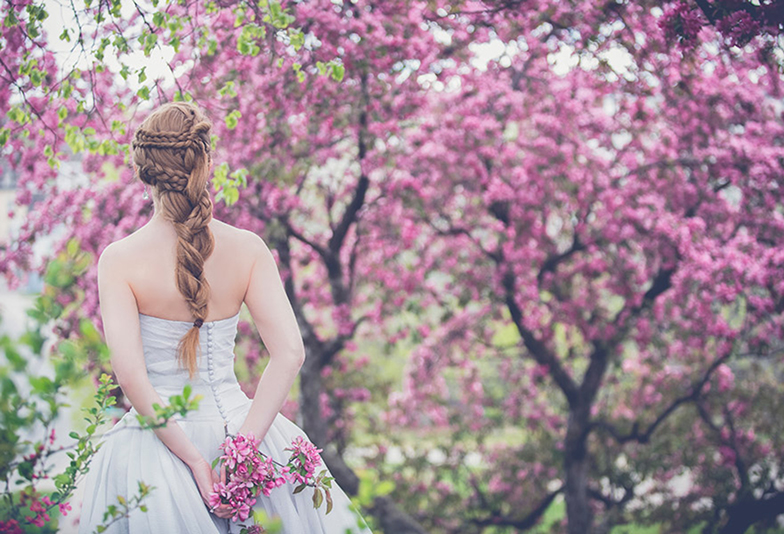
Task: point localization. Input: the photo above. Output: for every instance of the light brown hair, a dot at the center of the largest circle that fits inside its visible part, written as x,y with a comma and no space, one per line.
171,150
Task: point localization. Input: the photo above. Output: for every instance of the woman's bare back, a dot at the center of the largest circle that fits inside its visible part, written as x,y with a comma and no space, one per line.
149,268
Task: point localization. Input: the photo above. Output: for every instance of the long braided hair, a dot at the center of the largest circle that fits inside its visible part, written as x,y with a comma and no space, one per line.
171,150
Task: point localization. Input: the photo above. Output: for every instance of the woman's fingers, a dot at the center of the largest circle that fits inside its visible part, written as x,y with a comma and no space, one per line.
223,511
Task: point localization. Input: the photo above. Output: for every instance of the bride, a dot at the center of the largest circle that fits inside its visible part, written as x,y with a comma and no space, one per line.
170,297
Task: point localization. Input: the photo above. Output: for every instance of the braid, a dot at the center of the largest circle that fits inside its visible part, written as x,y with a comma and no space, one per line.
165,139
171,151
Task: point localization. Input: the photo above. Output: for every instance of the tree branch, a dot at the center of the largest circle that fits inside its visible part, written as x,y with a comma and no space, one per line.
645,436
349,216
537,349
530,520
551,263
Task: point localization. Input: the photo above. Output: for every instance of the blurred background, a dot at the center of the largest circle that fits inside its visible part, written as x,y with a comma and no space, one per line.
534,247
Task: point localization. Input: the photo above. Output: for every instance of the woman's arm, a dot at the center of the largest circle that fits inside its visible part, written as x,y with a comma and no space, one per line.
121,328
274,318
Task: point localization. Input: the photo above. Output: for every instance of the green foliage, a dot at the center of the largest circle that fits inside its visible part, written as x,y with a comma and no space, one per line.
85,446
275,14
124,507
321,490
296,38
232,119
35,380
18,115
229,89
246,42
370,487
228,184
271,525
24,461
333,68
178,405
111,38
148,40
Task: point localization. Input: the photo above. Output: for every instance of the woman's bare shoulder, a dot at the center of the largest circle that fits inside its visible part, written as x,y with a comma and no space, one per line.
121,247
117,255
243,241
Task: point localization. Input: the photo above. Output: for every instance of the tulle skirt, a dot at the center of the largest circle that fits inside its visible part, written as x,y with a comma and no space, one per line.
129,454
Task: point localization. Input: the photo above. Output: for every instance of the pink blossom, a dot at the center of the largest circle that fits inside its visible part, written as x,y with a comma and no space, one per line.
251,472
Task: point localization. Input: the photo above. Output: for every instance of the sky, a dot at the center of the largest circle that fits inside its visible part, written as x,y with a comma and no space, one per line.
61,15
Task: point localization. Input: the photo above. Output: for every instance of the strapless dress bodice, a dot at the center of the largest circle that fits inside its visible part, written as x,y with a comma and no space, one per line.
214,380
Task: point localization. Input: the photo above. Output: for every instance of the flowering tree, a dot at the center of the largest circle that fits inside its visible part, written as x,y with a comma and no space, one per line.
628,221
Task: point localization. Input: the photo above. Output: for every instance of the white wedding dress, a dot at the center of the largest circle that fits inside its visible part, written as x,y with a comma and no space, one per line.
129,453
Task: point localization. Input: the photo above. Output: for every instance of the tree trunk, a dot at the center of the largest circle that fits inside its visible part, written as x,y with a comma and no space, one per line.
576,464
310,403
391,519
751,511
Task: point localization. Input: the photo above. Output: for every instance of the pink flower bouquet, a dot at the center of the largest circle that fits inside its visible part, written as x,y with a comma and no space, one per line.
250,472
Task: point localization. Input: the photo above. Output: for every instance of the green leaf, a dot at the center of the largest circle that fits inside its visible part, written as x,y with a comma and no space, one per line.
329,500
296,37
318,498
212,47
232,119
228,89
150,40
25,470
36,77
16,115
384,487
159,19
231,195
247,40
182,97
10,20
338,71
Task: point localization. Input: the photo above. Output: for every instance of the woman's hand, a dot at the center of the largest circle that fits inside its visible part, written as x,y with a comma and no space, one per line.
205,477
